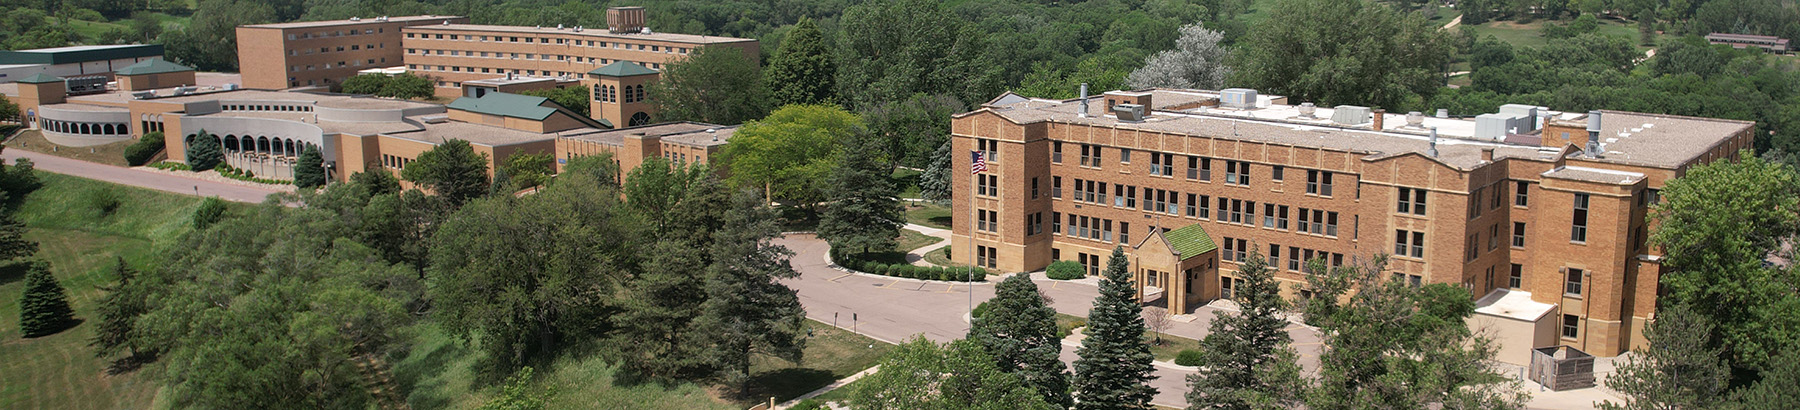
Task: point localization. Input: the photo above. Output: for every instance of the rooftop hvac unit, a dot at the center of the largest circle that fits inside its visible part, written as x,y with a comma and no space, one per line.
1240,98
1493,126
1527,113
1129,112
231,86
1350,114
143,94
435,119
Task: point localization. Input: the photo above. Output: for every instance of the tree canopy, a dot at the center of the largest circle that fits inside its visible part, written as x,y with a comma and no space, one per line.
1114,370
452,170
714,84
1386,59
1019,331
802,70
790,152
923,375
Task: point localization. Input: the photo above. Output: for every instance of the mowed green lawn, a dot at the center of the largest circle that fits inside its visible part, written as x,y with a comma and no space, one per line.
60,371
1531,35
440,373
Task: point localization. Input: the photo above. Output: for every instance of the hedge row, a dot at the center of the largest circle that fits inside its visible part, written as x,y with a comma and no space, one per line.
1065,270
854,263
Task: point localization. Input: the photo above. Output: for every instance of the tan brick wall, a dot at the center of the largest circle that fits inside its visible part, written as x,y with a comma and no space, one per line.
551,52
1617,295
267,58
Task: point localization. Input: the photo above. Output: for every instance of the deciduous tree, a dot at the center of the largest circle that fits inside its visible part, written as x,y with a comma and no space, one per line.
1019,331
790,152
921,375
1198,61
1114,370
1387,58
911,130
452,170
803,69
714,84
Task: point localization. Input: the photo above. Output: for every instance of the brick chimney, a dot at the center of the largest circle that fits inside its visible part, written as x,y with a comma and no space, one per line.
1487,154
1379,115
625,19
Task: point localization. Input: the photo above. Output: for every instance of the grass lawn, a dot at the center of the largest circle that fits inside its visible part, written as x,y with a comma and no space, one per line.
928,214
59,371
439,373
941,257
1531,35
911,239
831,354
1171,345
33,140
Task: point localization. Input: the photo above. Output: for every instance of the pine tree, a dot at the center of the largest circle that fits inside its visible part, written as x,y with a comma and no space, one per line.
862,213
44,307
13,244
656,318
1247,359
452,170
1114,370
747,310
934,184
204,152
118,312
1779,388
309,170
1679,370
1019,331
802,72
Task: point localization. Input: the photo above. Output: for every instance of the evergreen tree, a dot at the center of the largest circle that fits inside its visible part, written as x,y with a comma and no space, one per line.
1248,364
118,313
44,307
1019,331
13,244
1114,370
747,309
802,72
452,170
1779,388
655,323
377,181
960,375
211,210
935,183
309,171
1679,370
863,213
204,152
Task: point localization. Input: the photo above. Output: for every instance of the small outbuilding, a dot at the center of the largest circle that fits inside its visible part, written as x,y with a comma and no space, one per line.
1562,368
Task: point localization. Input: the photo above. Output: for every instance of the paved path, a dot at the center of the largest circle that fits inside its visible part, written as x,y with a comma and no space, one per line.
1453,23
917,256
893,309
138,178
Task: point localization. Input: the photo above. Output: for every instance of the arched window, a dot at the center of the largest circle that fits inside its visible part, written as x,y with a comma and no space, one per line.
262,145
231,144
640,92
639,118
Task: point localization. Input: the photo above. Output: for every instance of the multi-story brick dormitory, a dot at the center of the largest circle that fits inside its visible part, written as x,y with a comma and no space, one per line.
1541,214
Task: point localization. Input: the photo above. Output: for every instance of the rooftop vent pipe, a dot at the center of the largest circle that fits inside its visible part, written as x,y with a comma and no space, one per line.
1084,98
1432,151
1593,129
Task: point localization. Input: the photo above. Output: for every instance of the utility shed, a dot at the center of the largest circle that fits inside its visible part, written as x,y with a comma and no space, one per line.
1562,368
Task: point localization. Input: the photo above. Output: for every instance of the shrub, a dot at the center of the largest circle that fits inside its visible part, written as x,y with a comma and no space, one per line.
980,310
896,270
1189,357
104,201
1064,270
877,268
140,152
1063,329
808,404
211,210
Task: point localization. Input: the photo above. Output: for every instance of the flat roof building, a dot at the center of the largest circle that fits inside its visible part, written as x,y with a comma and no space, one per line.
1539,211
1770,43
322,53
74,61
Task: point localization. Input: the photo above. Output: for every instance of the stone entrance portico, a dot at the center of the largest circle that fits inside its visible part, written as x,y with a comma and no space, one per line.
1179,264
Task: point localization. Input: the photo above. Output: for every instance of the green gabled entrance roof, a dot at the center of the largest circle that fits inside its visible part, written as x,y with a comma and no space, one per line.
1190,241
41,78
152,66
622,69
505,105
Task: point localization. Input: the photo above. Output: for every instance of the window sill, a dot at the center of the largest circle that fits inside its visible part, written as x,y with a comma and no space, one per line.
1571,296
1582,243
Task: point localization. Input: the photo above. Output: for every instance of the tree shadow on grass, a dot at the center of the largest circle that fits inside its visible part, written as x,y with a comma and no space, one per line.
942,222
13,272
785,384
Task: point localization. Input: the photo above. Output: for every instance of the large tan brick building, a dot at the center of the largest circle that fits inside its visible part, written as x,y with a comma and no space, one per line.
322,53
1540,214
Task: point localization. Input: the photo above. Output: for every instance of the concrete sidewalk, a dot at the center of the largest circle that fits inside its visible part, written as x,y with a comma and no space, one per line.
917,256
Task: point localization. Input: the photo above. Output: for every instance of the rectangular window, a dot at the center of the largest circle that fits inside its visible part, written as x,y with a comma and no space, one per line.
1572,282
1294,258
1268,216
1318,182
1578,232
1124,155
1571,327
1237,172
1499,193
1056,152
1056,187
1275,174
1206,169
1331,223
1034,188
1471,246
1517,277
1412,201
1409,243
1281,220
1056,223
1518,234
1118,195
1131,196
1125,232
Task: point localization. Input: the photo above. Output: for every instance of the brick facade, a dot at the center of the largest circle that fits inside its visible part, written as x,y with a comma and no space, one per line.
1335,194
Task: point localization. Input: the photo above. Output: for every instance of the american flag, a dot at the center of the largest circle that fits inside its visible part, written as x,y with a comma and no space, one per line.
977,164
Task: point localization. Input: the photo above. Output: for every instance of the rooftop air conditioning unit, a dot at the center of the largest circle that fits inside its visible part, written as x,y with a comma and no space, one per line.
143,94
1239,98
1349,115
435,119
1129,112
356,19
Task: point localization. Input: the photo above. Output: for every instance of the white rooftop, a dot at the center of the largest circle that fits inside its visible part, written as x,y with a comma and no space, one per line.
1512,304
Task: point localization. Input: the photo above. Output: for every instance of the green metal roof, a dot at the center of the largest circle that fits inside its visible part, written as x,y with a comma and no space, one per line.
80,54
41,78
1190,241
506,105
152,66
622,69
